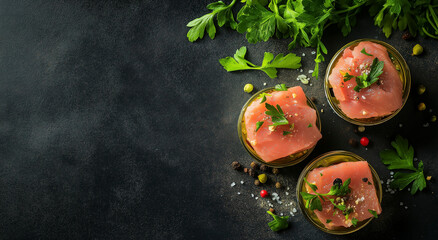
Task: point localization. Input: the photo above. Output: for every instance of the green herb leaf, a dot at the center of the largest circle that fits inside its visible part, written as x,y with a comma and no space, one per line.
277,115
374,213
354,222
320,174
286,133
307,196
309,126
328,221
269,64
365,52
347,77
402,158
365,80
263,97
281,87
316,204
278,223
312,186
205,23
258,125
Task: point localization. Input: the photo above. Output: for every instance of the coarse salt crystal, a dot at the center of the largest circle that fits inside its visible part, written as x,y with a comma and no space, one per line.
233,184
401,203
392,173
294,210
287,188
264,84
238,193
310,71
301,70
241,182
406,207
256,198
252,194
313,52
287,193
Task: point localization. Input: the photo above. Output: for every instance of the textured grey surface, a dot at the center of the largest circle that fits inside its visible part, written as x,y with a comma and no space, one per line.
114,126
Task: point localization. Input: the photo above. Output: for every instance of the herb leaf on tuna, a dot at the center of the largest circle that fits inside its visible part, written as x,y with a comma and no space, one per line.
281,87
365,52
258,125
277,115
366,80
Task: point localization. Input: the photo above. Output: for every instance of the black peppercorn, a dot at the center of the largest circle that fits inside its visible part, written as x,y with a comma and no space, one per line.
254,165
352,142
337,181
256,182
264,168
364,179
236,165
406,35
252,172
275,171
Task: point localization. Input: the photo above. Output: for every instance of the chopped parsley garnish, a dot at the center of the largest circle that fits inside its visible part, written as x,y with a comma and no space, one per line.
365,52
281,87
258,125
286,133
354,222
313,201
277,115
269,64
320,174
403,158
278,223
310,125
328,221
347,77
365,80
373,212
263,97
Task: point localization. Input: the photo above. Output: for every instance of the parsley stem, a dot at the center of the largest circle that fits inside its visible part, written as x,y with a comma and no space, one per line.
428,34
349,8
430,21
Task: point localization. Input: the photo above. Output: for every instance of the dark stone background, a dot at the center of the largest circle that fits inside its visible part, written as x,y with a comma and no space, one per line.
114,126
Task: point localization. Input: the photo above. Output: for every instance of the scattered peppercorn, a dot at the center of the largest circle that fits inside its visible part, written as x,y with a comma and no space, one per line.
361,129
256,182
433,118
254,165
352,142
264,168
251,172
421,107
245,170
417,50
364,179
277,185
406,35
275,171
337,181
263,193
248,88
428,178
236,165
421,89
364,141
263,178
272,210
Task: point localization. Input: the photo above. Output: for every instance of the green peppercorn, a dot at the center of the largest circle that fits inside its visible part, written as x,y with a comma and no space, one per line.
421,89
433,118
361,129
248,88
417,50
421,107
263,178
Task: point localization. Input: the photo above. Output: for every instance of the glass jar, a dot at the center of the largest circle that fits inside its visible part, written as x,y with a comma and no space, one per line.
403,72
325,160
282,162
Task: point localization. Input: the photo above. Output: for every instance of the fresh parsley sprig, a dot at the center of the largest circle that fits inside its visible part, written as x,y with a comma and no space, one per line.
269,64
313,201
281,87
277,115
279,223
365,80
403,158
199,25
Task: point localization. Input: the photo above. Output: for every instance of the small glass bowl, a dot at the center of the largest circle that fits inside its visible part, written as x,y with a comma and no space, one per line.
281,162
325,160
399,63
